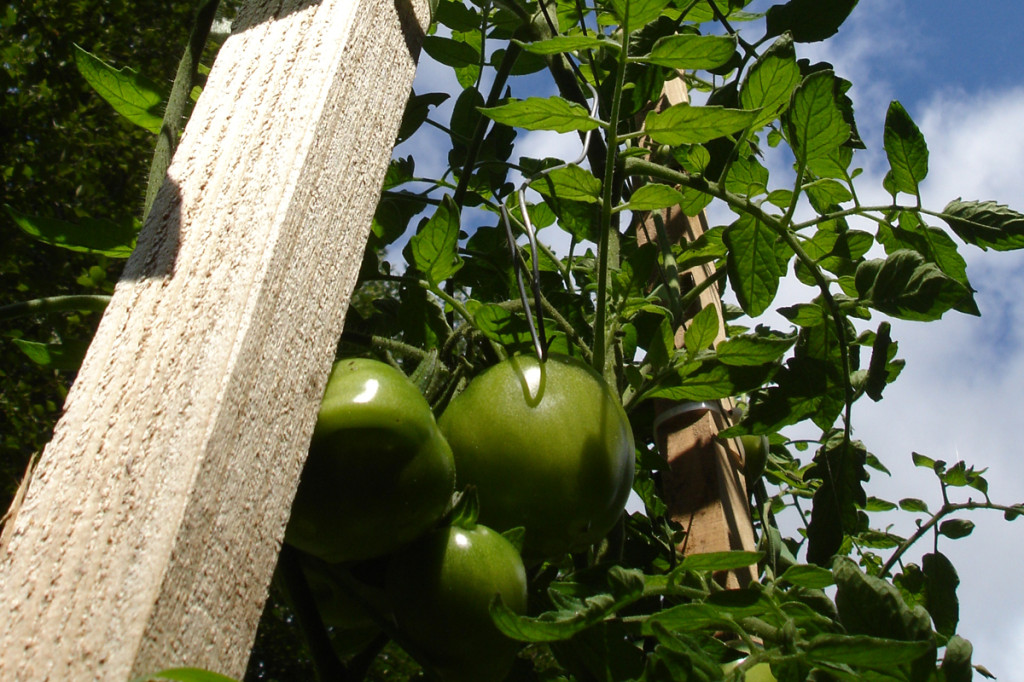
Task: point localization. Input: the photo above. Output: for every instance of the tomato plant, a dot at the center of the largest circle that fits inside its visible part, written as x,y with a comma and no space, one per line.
548,447
441,589
379,473
771,137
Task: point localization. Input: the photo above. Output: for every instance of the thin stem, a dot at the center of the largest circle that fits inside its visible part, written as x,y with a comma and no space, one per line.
946,510
177,101
55,304
601,361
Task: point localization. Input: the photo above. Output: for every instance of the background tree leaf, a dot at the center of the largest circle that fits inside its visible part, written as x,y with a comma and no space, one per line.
132,95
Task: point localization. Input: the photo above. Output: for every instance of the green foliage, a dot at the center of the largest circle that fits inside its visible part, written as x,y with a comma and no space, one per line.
448,302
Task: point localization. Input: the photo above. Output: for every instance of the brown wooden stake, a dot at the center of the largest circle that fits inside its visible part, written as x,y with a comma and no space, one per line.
152,524
703,484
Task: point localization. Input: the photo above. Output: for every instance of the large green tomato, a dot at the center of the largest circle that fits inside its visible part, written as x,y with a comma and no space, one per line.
548,447
755,457
441,588
379,473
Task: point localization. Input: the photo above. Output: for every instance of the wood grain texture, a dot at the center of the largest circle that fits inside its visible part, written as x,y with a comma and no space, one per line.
150,530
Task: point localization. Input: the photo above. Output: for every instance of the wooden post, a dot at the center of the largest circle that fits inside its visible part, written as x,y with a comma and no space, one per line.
150,530
703,482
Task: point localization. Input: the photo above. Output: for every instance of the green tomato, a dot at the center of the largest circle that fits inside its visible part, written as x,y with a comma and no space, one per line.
379,473
441,588
548,447
755,457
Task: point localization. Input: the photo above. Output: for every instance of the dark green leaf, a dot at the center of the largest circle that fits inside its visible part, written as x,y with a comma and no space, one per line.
90,235
501,325
839,465
653,197
434,247
769,84
570,183
906,149
132,95
691,52
60,356
914,505
814,120
872,606
956,663
863,651
702,330
904,285
711,380
560,44
956,528
543,113
637,13
986,224
753,267
185,675
809,576
754,349
685,124
809,20
416,111
451,52
719,561
941,582
878,373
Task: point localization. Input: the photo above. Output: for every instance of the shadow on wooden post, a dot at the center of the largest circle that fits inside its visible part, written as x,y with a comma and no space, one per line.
149,532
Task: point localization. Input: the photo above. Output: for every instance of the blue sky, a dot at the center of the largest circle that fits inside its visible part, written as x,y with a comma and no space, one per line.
958,68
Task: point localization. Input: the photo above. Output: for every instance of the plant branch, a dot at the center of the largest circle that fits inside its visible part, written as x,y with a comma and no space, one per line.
55,304
177,101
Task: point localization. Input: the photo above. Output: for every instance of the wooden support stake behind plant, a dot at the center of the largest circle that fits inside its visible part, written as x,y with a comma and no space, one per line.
152,524
702,484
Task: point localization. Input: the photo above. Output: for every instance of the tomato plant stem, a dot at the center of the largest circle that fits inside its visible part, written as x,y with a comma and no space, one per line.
602,361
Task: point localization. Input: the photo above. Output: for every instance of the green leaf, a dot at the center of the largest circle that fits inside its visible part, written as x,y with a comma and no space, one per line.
560,44
941,582
863,651
814,121
653,197
90,235
132,95
906,149
691,52
543,113
809,20
712,380
185,675
956,528
501,325
684,124
874,607
754,349
449,52
904,285
914,505
688,618
809,576
719,561
637,13
839,465
571,183
769,84
956,663
702,330
434,247
752,265
60,356
985,224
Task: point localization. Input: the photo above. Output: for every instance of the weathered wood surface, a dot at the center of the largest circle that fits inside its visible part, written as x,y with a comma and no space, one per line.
150,530
703,481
